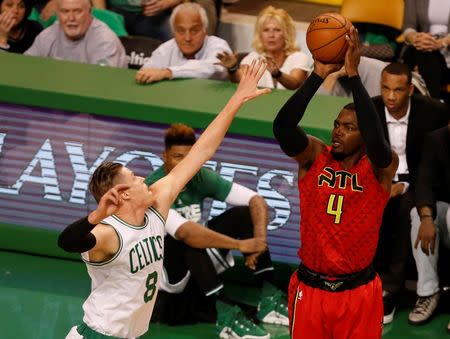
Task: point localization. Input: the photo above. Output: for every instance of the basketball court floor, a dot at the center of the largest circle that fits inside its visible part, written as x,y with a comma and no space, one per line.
41,298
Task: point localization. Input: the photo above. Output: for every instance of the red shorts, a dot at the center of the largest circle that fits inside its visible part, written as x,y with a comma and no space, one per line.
355,313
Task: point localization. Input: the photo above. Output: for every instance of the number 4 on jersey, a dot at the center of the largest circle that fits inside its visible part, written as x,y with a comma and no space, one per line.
335,209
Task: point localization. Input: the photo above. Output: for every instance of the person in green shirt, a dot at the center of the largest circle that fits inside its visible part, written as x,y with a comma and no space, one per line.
191,286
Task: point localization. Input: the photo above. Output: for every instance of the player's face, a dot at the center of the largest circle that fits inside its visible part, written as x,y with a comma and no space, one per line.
395,92
17,7
272,36
346,138
138,192
189,33
74,17
174,155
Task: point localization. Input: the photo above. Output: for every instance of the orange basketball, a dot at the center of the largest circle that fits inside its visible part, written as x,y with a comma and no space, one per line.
325,37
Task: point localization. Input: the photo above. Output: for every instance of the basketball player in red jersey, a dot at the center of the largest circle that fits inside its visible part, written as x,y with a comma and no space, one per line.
335,293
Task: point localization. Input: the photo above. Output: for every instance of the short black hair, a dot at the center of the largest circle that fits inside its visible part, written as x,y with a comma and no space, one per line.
350,107
179,134
398,69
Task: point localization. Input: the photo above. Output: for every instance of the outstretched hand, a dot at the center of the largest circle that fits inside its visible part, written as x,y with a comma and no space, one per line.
227,60
353,54
247,89
108,204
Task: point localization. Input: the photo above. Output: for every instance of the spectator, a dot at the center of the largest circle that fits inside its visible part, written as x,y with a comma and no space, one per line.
17,33
426,31
79,37
47,9
369,70
406,118
273,39
146,17
190,54
431,221
192,285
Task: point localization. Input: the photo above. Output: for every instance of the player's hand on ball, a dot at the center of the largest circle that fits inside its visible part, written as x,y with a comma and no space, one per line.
324,70
353,54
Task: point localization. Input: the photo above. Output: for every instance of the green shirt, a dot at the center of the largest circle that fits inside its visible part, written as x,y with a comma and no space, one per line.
205,184
127,5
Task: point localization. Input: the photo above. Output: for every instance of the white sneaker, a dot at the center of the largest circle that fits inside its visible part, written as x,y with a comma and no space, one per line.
424,308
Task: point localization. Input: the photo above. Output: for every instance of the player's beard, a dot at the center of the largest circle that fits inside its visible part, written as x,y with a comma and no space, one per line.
338,156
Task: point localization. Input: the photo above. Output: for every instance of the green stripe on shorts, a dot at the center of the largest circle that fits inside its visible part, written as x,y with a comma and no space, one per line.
89,333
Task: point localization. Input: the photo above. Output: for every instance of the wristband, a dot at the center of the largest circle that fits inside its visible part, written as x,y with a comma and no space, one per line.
277,74
234,68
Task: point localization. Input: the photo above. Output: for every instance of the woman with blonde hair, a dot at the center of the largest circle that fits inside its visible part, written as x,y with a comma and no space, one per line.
274,40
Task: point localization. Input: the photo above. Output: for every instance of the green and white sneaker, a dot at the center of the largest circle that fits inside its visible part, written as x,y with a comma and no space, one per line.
232,324
272,308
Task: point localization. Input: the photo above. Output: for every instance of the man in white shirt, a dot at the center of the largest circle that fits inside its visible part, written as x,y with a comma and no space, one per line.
79,37
369,69
190,54
406,119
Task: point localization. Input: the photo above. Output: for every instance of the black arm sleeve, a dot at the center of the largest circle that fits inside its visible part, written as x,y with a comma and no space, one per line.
77,237
293,139
377,147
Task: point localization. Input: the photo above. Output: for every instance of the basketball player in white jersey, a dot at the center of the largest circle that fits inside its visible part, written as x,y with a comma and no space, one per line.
122,240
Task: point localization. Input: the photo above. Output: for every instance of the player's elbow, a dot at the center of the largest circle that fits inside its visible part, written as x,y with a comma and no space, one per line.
183,233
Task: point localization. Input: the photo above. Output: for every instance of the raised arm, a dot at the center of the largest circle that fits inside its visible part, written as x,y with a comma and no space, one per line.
169,187
82,236
292,139
377,147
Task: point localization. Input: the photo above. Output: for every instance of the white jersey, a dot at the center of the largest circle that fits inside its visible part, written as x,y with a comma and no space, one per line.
124,288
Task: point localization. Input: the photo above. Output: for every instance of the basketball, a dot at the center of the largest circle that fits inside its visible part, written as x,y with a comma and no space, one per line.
325,37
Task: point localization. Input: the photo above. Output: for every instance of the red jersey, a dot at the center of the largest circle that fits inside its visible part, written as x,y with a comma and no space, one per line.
341,212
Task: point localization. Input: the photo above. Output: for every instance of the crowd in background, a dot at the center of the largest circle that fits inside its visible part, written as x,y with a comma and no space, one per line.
408,95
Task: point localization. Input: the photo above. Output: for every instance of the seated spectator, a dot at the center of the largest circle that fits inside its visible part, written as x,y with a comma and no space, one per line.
146,17
431,221
274,39
426,31
47,8
190,54
369,70
17,33
406,119
79,37
113,20
191,285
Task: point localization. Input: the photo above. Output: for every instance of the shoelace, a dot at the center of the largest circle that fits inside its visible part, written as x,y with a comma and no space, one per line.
422,305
